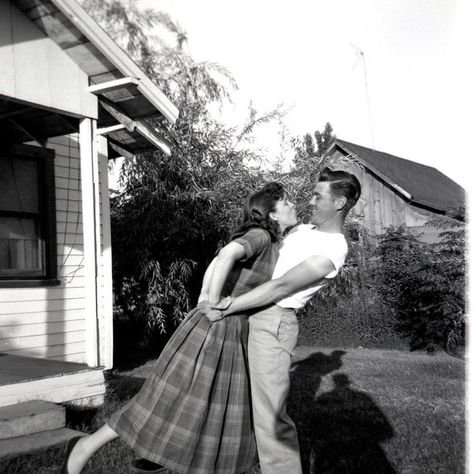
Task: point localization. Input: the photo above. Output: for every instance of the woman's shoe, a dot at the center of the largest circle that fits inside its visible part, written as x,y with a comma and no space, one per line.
69,447
143,466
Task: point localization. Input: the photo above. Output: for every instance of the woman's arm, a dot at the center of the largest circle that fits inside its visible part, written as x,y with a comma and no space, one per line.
204,295
223,264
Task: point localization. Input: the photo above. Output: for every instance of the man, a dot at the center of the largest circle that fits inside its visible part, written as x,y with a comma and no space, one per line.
308,255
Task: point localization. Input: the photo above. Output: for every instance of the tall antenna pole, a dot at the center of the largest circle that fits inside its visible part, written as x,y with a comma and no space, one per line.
361,55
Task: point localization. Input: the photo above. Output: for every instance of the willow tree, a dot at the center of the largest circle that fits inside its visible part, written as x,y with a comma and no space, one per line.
176,210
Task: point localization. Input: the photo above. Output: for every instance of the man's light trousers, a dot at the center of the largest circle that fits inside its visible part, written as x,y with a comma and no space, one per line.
272,339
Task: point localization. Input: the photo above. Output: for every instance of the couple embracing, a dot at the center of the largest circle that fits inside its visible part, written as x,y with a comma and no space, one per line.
216,400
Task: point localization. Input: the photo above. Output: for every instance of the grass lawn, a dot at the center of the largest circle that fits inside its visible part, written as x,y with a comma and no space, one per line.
357,411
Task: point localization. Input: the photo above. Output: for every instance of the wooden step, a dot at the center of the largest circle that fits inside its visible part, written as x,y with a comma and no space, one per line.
26,444
86,387
30,417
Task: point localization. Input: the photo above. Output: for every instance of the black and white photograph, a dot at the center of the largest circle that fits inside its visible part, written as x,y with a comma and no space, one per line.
235,236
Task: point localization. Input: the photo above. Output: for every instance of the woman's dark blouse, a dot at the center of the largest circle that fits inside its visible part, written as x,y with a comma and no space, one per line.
256,267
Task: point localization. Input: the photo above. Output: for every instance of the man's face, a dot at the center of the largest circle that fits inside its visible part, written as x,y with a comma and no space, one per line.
325,205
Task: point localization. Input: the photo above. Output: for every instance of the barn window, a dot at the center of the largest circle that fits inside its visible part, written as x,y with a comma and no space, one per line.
27,215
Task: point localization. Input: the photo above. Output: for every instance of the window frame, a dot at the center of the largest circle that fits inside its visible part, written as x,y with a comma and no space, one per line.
44,157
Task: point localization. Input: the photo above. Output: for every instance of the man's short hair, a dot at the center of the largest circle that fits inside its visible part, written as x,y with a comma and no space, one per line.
342,183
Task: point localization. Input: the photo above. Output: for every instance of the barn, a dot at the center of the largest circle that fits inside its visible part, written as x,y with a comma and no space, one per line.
70,99
396,191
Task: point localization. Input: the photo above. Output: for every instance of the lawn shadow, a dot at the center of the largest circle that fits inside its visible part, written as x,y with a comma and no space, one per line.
123,387
133,347
340,431
120,389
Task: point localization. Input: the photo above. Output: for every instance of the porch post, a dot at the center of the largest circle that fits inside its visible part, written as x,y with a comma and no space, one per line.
90,222
105,269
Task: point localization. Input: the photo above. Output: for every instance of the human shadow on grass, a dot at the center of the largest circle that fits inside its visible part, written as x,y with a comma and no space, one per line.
340,431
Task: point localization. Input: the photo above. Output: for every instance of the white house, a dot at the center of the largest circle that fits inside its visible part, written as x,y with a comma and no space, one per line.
70,98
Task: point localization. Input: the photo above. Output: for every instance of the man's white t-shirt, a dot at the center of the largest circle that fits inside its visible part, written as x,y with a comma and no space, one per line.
303,242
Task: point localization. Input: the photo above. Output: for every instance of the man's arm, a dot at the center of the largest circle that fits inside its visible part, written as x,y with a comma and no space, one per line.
304,275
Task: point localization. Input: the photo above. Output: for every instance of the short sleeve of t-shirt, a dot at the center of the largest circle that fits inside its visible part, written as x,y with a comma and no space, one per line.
253,242
337,255
303,244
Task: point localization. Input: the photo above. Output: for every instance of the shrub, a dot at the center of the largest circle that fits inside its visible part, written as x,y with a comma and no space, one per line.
424,286
393,287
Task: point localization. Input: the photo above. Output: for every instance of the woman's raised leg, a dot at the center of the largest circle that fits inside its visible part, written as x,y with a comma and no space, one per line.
87,446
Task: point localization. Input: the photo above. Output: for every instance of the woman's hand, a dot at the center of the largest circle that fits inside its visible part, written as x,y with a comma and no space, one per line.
224,303
210,313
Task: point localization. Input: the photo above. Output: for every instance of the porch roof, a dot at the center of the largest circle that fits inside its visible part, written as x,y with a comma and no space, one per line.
113,76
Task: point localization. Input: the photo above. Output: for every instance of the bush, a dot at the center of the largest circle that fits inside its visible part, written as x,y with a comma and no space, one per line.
349,322
424,286
393,287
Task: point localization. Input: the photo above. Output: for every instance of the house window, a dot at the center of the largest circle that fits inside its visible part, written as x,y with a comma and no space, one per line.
27,214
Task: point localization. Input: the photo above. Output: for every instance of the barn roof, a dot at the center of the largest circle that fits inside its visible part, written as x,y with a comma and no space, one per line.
419,183
126,94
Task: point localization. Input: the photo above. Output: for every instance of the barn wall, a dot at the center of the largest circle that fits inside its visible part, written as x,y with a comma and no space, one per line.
379,205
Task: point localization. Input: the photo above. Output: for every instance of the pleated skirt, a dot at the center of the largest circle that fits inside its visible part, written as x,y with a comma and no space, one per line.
193,414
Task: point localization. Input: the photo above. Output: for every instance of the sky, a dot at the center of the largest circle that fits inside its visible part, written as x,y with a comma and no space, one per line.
303,54
419,65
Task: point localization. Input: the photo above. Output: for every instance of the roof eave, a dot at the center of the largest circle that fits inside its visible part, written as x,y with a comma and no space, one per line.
104,43
377,172
410,198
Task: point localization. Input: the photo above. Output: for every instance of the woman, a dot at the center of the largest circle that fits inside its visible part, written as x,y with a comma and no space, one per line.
192,415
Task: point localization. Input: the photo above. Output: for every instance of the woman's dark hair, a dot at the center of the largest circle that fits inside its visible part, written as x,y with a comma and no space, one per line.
257,211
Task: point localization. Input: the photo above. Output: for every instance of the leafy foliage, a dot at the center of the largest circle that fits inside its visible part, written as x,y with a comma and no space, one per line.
395,285
424,285
175,211
309,159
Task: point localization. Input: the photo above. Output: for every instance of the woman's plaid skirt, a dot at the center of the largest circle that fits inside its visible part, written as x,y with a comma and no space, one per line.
193,413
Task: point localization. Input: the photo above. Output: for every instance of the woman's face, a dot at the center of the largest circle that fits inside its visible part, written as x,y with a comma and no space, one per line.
284,213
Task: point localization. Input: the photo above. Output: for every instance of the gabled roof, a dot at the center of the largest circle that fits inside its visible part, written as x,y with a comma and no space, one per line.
418,183
114,77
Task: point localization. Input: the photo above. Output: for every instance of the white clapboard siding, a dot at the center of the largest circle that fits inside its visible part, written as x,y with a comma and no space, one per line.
67,250
43,340
51,352
36,294
68,216
63,172
68,206
72,259
48,316
68,195
67,272
50,321
41,306
47,328
62,158
69,238
67,183
74,227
